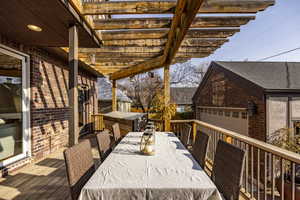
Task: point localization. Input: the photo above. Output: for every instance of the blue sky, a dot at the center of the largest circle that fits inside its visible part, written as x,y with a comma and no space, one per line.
274,30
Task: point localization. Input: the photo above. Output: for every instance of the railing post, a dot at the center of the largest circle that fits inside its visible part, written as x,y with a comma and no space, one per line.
194,124
114,95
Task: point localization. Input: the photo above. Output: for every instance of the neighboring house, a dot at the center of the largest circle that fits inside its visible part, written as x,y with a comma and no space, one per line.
105,98
34,103
250,98
182,97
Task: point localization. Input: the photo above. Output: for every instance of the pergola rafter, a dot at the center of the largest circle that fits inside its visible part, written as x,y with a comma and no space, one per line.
135,44
165,7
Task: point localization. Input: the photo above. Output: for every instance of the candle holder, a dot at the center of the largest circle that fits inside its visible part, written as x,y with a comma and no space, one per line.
147,145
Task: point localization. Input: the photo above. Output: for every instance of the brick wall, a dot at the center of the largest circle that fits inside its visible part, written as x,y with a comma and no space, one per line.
49,98
237,93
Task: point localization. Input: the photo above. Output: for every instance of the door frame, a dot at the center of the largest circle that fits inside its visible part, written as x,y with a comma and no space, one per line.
26,134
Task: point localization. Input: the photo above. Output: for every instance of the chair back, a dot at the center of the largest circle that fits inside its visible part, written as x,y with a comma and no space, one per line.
79,165
116,131
186,134
227,169
103,141
200,148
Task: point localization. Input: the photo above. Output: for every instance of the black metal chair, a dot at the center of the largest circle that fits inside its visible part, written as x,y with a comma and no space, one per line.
227,169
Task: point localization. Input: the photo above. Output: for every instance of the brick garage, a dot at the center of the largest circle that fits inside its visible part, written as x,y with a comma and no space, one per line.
229,89
49,109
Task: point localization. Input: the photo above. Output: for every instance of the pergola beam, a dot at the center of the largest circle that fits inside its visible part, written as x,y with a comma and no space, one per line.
163,33
160,7
157,49
139,68
153,23
187,42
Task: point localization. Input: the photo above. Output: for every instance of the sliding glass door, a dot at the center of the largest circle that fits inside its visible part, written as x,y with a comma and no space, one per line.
14,108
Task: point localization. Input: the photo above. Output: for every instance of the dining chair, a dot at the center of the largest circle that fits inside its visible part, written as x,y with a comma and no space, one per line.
186,134
79,165
227,169
199,149
116,132
104,144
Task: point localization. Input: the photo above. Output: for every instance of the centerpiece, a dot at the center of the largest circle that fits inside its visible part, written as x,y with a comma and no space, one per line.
147,145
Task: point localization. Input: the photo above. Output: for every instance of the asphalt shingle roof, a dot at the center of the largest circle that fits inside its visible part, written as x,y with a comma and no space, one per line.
268,75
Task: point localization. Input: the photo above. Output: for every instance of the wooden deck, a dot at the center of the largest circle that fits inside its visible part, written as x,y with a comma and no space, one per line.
45,179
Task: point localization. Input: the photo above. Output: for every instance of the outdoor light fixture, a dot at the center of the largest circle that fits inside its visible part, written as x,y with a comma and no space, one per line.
34,28
251,108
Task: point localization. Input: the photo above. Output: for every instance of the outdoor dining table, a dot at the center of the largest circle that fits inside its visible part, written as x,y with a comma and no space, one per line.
170,174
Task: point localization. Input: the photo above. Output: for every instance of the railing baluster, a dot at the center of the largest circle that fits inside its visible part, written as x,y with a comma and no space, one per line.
282,178
247,165
273,176
252,171
293,180
258,173
266,174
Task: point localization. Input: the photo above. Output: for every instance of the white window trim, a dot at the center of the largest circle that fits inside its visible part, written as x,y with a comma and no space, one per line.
25,104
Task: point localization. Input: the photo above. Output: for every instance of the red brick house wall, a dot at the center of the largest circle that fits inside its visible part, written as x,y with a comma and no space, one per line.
49,99
237,93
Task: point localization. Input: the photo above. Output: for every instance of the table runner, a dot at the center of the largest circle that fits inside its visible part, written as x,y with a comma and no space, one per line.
171,174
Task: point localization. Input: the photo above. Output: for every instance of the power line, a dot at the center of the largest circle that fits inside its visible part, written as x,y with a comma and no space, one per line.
279,54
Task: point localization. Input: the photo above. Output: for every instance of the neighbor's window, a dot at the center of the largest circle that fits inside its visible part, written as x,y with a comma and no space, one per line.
297,128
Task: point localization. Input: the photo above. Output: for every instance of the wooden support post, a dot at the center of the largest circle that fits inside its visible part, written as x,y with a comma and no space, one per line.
114,95
167,120
73,93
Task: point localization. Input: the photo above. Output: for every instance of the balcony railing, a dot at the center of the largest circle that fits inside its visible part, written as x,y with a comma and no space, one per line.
266,165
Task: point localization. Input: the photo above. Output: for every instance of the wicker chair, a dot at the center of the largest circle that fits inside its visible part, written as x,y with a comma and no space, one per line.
200,148
104,144
116,132
227,169
186,134
79,165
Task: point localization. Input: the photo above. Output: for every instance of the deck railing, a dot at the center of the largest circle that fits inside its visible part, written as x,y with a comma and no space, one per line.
98,122
266,166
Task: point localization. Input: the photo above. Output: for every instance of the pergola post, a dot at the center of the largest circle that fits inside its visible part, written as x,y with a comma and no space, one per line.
114,95
73,93
167,120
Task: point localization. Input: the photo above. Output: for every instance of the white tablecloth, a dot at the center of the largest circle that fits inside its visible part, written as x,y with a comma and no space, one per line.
171,174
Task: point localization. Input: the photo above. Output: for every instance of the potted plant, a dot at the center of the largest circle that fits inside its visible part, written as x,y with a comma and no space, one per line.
285,138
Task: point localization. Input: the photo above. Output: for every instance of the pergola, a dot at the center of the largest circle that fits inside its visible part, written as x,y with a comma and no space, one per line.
173,32
180,30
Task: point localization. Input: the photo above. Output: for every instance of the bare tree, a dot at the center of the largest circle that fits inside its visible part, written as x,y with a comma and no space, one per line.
187,74
142,88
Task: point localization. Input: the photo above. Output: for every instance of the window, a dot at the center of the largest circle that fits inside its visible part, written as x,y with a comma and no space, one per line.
227,113
244,115
297,128
235,114
220,113
83,98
